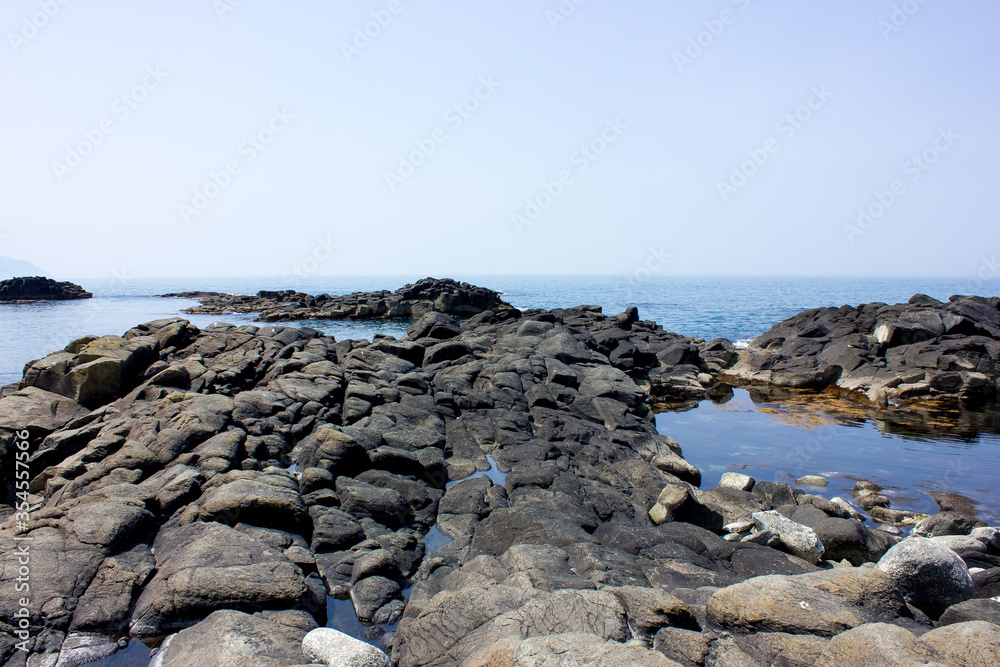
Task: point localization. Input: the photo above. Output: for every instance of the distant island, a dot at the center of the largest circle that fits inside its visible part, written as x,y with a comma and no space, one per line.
11,267
37,288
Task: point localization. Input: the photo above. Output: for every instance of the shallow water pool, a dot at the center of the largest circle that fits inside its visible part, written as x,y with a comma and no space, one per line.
781,437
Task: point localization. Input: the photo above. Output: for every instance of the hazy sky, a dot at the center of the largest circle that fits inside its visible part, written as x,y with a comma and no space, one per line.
255,137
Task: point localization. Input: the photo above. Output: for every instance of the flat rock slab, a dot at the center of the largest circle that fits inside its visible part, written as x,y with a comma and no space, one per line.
822,603
202,567
233,639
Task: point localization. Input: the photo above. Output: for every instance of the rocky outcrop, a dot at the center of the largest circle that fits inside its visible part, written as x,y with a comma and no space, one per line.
880,353
495,486
36,288
425,296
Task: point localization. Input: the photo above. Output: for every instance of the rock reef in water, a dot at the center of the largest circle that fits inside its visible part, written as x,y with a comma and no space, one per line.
161,502
445,296
921,349
36,288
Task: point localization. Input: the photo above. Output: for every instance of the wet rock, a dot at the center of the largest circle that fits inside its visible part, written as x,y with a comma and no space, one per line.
813,480
371,594
931,577
363,500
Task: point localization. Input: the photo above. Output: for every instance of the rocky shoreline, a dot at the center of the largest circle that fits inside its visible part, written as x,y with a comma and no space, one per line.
36,288
211,491
445,296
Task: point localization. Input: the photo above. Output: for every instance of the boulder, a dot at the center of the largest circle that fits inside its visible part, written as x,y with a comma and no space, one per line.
332,647
931,577
878,644
977,609
203,567
796,538
947,523
969,644
228,638
822,603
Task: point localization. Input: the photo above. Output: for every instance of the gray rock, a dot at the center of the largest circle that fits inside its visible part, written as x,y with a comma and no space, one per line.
202,567
684,647
931,577
336,649
947,523
779,649
736,480
230,638
796,538
977,609
878,644
821,603
970,644
567,649
813,480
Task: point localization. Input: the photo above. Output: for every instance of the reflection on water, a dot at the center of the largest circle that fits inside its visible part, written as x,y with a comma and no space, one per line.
136,654
783,435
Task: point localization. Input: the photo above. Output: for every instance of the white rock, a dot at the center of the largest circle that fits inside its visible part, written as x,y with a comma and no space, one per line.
736,480
336,649
988,535
739,526
797,539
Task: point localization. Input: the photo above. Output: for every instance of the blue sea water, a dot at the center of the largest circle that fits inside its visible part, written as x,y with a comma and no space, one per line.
737,308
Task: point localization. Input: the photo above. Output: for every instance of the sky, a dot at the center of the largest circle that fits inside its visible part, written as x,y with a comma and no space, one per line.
390,137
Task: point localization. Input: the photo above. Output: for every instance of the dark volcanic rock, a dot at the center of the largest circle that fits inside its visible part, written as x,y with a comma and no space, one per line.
486,482
40,289
882,353
428,295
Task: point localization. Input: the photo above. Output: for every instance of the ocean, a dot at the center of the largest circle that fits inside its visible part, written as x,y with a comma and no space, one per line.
737,308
